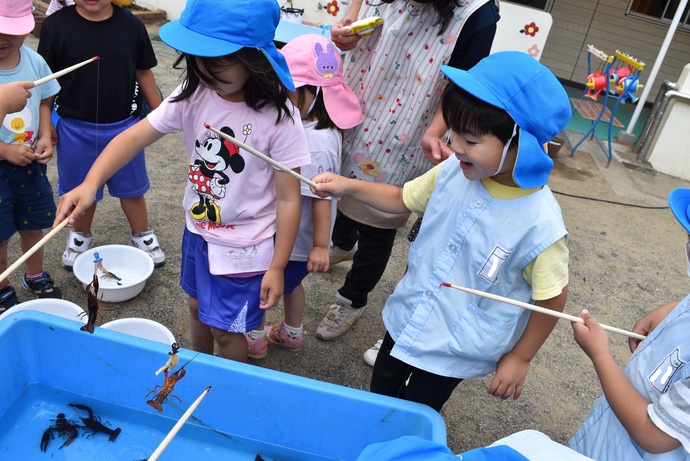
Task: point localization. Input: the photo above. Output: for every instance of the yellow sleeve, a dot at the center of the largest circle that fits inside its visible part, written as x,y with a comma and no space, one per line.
548,272
416,193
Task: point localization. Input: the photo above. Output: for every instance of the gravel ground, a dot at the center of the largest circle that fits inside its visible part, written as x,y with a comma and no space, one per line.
625,260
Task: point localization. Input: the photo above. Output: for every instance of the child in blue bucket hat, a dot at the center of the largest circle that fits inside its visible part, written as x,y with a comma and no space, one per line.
644,413
241,214
490,223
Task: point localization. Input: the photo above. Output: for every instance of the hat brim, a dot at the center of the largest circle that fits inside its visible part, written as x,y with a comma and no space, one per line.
17,26
679,202
185,40
342,106
532,164
472,85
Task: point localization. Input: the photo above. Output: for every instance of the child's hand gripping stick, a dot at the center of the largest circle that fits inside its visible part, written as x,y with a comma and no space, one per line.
365,26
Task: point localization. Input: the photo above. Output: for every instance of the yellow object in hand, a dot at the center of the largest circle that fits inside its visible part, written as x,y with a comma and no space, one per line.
365,26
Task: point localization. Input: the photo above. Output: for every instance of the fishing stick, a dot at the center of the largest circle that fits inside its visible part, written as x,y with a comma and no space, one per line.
176,428
62,72
33,250
266,158
541,310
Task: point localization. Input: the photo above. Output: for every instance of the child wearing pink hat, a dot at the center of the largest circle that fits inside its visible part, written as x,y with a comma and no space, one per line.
327,106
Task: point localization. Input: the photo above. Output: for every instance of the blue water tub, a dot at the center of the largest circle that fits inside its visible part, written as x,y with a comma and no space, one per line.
48,364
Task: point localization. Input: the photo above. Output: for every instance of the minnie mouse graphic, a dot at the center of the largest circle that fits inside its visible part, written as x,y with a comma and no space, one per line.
207,174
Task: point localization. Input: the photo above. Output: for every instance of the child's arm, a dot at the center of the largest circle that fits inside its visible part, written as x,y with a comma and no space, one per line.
147,86
629,406
512,368
383,197
43,150
321,219
120,151
13,97
287,223
649,322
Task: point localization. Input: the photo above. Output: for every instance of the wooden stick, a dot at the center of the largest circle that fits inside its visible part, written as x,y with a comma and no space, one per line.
176,428
62,72
255,152
33,249
542,310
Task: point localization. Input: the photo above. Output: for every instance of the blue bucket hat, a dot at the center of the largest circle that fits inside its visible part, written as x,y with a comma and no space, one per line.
212,28
515,82
679,202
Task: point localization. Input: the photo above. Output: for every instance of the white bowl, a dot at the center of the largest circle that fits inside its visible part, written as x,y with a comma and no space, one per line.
131,264
143,328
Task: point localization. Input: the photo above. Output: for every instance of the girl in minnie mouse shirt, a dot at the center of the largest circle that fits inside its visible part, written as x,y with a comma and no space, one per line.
242,214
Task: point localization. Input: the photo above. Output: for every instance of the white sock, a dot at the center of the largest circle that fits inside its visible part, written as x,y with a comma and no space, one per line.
256,334
292,331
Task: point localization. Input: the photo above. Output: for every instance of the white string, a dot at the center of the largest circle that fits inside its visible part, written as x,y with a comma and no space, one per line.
505,150
316,95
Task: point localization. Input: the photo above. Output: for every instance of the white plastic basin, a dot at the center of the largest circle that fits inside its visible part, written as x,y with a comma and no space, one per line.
142,328
131,265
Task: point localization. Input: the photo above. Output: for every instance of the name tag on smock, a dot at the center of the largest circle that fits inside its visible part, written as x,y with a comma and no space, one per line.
229,260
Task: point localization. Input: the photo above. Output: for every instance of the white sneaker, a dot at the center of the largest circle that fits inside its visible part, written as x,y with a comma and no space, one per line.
337,255
373,352
339,319
77,243
148,242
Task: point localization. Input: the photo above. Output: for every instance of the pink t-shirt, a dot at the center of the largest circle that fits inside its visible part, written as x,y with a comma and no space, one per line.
230,195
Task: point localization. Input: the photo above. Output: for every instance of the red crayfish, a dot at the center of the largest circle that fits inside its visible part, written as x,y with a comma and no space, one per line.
92,304
165,391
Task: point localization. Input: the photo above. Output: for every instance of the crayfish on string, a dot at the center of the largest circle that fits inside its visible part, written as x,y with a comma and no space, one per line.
91,304
170,379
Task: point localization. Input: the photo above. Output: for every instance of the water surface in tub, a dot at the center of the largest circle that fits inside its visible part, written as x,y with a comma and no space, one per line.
24,422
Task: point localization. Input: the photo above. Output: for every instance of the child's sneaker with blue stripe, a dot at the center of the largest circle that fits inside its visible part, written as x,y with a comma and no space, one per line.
43,286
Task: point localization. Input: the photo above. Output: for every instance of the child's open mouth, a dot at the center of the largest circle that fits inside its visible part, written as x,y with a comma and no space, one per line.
465,165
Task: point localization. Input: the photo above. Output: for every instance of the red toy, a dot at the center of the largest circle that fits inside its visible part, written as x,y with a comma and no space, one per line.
596,83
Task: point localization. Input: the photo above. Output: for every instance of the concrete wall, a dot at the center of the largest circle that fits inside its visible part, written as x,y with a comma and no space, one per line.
669,151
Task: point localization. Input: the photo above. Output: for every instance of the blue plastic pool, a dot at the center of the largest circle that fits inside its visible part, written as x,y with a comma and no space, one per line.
49,363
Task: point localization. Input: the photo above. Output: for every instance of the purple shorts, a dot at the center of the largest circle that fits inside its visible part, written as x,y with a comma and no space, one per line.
80,144
295,272
227,303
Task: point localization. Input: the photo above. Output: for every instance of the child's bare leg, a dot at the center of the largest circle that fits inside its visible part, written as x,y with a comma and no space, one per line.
231,346
136,213
84,223
199,333
27,240
294,307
